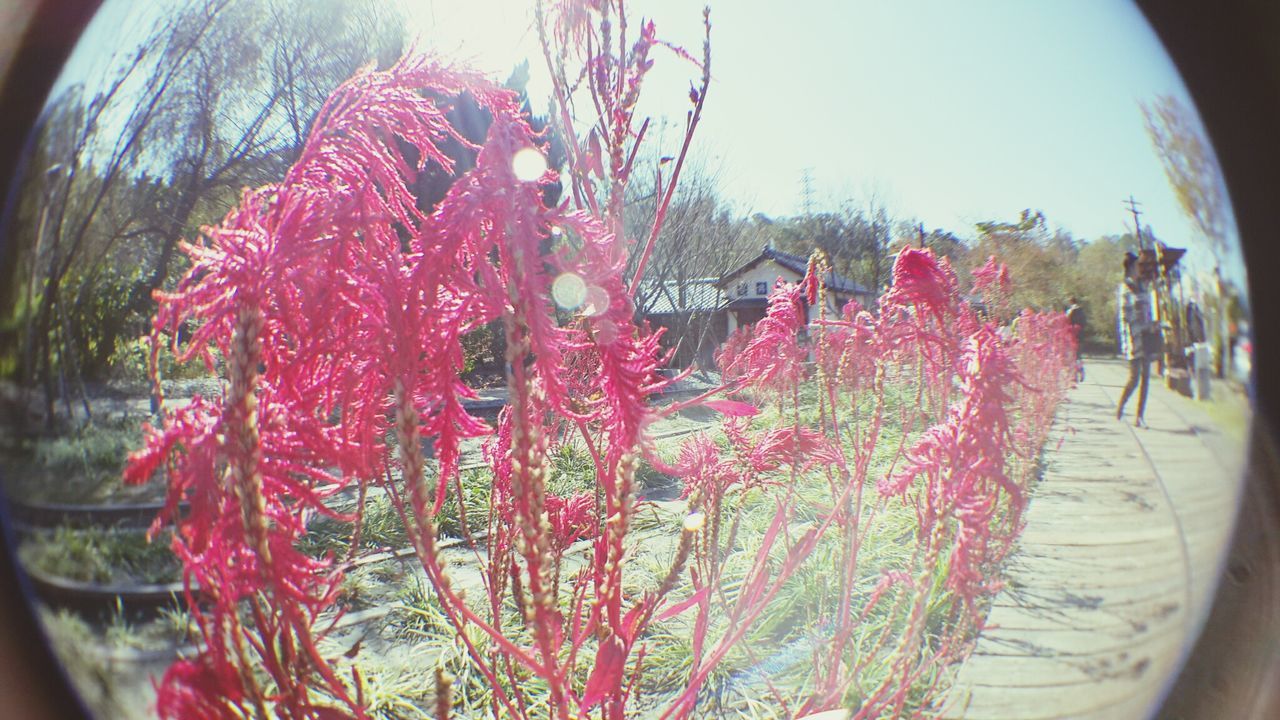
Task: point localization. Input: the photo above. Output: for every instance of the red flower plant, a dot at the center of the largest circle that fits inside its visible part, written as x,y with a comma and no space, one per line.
771,358
336,308
993,283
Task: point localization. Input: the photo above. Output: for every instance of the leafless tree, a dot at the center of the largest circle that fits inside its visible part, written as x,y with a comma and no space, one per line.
700,239
102,145
1197,182
215,98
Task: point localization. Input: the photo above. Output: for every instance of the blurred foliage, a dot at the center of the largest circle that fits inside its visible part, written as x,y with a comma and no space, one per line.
83,466
484,349
102,555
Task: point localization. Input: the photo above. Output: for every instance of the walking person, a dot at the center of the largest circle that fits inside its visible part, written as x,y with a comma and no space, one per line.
1075,314
1139,335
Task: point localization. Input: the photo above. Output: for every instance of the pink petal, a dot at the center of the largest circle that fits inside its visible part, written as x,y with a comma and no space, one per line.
733,408
606,677
685,604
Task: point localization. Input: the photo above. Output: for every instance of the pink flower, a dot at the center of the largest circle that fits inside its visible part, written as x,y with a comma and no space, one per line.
853,348
992,279
962,463
199,689
572,518
922,282
772,358
765,452
702,468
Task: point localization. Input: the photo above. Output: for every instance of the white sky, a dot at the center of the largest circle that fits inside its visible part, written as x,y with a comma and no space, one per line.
953,113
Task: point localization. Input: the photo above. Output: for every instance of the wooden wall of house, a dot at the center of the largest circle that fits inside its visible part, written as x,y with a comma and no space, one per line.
695,337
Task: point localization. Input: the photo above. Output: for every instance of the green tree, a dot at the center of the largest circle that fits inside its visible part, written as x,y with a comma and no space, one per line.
855,239
1039,259
702,236
701,239
91,149
1095,277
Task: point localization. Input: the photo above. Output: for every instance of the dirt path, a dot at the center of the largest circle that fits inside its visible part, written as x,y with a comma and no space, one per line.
1116,569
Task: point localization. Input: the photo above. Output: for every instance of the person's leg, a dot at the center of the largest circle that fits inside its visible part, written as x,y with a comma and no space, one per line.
1142,391
1128,387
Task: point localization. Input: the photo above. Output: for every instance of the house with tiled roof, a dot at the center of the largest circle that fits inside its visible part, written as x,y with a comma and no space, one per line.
699,314
746,289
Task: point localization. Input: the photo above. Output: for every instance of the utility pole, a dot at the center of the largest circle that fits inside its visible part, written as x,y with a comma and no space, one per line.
920,229
1137,226
1162,289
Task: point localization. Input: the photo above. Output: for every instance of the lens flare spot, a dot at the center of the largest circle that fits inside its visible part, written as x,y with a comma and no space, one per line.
528,165
569,291
595,302
606,331
694,521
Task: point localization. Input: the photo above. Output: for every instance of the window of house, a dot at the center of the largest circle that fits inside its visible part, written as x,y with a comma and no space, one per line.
762,288
742,289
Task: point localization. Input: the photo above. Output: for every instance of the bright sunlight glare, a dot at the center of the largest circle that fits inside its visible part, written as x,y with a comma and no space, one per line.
528,165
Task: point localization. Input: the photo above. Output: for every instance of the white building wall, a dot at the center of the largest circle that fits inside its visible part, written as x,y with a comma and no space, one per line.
834,303
766,272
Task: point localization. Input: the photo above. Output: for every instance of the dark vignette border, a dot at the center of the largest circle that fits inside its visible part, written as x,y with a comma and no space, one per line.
1229,57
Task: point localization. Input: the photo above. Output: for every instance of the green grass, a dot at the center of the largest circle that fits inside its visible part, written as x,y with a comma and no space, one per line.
97,555
420,624
81,467
381,527
572,470
91,674
780,645
416,638
107,689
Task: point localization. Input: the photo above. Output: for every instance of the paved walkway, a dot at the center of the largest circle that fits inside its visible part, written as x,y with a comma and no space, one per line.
1116,569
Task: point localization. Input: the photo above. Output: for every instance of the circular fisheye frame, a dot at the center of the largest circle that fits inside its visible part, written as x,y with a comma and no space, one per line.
567,359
